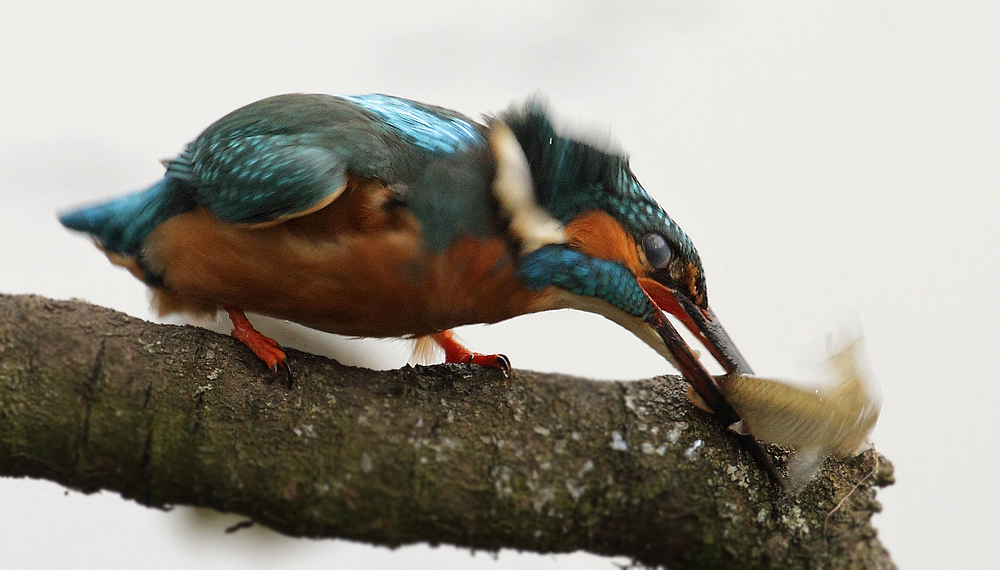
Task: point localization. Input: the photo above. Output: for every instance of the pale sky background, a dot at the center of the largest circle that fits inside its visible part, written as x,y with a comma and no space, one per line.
836,163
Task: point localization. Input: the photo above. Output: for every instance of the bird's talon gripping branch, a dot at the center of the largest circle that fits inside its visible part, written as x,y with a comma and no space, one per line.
455,353
498,361
287,368
266,348
504,364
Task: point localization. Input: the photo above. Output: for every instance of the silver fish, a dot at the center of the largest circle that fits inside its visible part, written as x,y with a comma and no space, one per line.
815,423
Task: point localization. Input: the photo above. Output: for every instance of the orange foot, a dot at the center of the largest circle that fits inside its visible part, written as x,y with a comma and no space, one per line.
455,353
265,348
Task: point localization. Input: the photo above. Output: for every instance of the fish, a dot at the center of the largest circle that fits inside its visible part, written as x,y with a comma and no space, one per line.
813,422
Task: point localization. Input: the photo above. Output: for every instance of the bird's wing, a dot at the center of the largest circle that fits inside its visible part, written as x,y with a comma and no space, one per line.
282,157
259,178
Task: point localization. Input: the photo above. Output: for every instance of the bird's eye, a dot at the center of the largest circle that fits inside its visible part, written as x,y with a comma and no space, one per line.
657,250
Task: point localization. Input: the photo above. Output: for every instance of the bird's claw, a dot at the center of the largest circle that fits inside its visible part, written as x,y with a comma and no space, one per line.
276,361
265,348
455,353
498,361
277,367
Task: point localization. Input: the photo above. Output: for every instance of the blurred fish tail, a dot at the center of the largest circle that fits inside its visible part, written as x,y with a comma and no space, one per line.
804,464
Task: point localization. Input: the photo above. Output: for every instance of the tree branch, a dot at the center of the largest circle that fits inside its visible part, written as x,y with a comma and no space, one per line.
167,415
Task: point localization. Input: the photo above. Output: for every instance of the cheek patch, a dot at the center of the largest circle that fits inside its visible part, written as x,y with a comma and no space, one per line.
597,234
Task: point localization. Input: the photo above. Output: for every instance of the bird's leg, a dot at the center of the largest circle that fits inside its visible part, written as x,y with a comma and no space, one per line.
266,348
455,353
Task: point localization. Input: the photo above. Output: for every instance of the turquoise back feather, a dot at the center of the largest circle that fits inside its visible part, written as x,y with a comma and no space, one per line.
281,156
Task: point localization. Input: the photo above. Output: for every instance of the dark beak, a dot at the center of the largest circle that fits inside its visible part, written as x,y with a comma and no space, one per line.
709,331
706,327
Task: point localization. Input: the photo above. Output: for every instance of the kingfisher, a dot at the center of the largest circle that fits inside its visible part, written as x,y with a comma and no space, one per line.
378,216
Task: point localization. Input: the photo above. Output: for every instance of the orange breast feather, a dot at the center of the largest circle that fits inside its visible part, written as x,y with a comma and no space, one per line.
354,267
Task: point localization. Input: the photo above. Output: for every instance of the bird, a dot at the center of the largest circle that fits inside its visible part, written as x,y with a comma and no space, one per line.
379,216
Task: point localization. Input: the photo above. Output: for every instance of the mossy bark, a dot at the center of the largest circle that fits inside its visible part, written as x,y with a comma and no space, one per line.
168,415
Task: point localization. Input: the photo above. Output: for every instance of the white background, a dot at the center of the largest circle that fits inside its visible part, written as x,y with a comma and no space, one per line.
836,164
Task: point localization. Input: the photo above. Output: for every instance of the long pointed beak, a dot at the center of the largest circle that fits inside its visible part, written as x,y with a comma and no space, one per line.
702,323
707,328
714,337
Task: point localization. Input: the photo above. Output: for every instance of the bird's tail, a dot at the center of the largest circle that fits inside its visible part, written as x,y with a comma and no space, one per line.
121,225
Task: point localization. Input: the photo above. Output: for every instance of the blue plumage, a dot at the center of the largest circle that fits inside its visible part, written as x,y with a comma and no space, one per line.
260,177
572,177
285,155
585,276
423,127
121,225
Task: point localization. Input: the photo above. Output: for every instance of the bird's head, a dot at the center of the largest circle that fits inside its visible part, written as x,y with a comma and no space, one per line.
592,234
